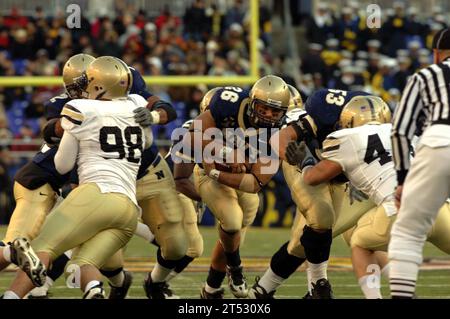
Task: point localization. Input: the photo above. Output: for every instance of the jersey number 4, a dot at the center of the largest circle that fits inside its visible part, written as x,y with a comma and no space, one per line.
132,144
374,144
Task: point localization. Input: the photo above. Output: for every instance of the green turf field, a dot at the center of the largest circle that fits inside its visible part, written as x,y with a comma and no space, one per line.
261,243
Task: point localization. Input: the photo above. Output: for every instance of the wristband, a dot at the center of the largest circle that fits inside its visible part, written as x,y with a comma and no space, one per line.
155,117
214,174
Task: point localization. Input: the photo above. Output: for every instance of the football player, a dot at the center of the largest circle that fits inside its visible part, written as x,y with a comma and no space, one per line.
34,203
183,169
319,205
102,137
362,151
38,183
161,208
348,214
232,195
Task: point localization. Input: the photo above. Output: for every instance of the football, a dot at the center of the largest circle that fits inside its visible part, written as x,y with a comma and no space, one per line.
224,167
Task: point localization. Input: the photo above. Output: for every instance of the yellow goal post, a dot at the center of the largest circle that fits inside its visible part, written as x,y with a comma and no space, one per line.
170,80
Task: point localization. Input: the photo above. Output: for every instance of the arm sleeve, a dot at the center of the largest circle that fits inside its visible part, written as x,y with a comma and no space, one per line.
404,126
66,156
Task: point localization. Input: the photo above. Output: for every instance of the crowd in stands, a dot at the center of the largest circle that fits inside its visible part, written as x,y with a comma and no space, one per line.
342,53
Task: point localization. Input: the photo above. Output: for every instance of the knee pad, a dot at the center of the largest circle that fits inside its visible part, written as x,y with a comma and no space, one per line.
284,264
172,240
317,245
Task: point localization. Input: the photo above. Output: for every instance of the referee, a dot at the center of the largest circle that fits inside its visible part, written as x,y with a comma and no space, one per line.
424,189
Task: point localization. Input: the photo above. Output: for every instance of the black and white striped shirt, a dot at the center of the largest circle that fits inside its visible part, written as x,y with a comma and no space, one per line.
428,91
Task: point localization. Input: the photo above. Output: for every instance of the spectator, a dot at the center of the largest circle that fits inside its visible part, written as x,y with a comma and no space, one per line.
235,14
6,187
196,22
312,62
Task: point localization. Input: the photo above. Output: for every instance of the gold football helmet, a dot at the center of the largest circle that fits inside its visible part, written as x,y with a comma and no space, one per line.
108,78
268,92
362,110
72,71
296,99
204,103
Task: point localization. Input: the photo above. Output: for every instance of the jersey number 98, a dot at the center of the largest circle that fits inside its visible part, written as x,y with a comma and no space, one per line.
119,147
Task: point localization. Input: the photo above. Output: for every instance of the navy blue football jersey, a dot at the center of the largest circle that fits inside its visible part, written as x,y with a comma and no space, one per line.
325,107
228,107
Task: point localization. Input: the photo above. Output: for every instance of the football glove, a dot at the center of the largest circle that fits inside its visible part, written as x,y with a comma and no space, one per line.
299,154
355,194
145,117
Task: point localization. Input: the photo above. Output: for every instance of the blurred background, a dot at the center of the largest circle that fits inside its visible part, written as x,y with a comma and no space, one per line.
311,44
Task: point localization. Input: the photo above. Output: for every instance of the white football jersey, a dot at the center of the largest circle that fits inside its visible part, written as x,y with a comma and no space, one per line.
110,142
364,154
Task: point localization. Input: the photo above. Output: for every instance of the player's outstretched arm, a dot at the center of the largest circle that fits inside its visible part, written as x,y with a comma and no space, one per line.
322,172
156,112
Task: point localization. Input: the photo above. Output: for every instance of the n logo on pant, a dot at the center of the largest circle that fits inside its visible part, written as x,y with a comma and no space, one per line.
160,175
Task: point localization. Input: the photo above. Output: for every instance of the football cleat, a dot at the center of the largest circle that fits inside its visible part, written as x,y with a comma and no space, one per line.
237,282
96,292
26,259
322,290
158,290
39,293
121,292
215,295
307,296
258,292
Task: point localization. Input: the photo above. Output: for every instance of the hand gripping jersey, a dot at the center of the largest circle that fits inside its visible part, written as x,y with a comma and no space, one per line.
111,143
364,154
42,169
